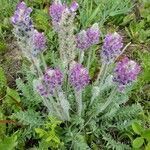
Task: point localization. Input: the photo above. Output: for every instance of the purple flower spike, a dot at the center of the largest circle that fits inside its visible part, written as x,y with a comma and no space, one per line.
56,11
82,40
111,48
22,15
93,34
78,77
39,87
85,39
39,42
42,90
126,72
53,79
74,6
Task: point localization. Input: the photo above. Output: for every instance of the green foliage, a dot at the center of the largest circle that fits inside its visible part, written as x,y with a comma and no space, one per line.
137,128
49,137
8,143
7,7
12,94
41,19
80,143
31,99
29,117
105,129
28,120
112,144
138,142
12,99
3,82
101,10
3,46
143,139
139,31
2,126
141,90
6,10
128,112
145,64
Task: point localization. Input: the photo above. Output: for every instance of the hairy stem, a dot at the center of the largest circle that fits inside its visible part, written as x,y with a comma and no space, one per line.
54,104
36,65
63,103
89,59
43,61
78,96
100,73
81,56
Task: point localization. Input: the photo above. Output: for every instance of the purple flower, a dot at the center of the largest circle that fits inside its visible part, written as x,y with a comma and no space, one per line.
126,72
53,78
39,42
74,6
39,87
78,77
22,15
111,48
82,40
86,39
93,34
42,90
56,11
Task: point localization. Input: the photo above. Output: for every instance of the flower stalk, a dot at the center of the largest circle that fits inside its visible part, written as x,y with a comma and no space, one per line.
78,96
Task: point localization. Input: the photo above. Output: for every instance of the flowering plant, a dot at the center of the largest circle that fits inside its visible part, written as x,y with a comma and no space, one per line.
65,87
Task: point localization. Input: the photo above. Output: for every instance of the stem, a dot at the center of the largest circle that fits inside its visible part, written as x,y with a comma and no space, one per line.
46,103
78,96
53,58
37,66
106,66
81,56
89,59
63,103
124,49
100,73
43,61
103,72
55,107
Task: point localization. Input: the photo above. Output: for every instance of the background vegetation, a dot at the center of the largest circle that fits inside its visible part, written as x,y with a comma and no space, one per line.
23,122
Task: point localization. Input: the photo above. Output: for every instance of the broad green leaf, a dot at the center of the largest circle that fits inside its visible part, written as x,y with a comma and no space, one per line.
137,128
41,132
50,138
9,143
13,94
146,134
147,146
138,142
